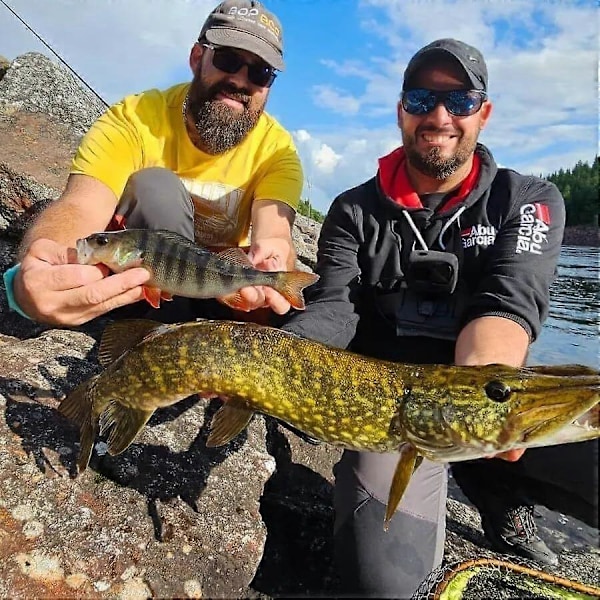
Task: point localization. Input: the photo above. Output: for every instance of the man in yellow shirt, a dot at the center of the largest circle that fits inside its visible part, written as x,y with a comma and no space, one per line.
200,158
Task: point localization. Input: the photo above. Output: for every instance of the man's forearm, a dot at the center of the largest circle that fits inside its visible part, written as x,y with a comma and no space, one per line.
85,207
492,339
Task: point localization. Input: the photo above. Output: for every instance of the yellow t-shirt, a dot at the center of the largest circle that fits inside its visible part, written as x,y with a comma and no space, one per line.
147,130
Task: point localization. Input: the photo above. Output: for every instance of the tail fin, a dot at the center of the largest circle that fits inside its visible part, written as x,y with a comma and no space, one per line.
77,406
291,284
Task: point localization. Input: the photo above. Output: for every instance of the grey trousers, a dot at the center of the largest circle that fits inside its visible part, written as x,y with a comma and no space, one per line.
371,562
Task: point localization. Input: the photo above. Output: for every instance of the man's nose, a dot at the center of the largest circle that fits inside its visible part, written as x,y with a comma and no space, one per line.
439,115
240,78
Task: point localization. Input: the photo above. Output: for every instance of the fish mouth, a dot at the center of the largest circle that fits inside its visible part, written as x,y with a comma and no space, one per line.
586,426
84,251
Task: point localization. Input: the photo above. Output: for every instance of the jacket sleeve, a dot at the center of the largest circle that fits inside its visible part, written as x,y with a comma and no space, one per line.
331,314
521,264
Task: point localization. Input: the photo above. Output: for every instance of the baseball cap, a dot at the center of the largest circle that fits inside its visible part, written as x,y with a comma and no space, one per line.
470,59
248,25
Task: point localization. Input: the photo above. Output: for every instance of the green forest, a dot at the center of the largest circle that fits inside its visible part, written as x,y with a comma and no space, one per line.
579,187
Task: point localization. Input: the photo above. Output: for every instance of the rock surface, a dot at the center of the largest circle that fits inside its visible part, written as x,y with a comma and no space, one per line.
169,517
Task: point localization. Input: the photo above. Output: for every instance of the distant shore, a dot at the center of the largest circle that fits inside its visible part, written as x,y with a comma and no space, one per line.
582,235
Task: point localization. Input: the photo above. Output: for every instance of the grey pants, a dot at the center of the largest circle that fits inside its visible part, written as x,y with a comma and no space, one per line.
371,562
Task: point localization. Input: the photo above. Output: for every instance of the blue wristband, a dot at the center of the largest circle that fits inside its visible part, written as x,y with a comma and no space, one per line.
9,277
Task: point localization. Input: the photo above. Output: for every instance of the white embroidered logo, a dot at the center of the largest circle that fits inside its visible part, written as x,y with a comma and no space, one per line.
534,225
478,235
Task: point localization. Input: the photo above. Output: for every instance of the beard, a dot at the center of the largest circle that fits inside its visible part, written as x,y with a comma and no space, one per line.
220,127
432,163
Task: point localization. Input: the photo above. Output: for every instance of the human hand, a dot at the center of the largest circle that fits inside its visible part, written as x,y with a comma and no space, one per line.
51,287
509,455
269,254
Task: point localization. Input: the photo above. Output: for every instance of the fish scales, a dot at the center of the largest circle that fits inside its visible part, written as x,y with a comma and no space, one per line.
344,400
180,267
441,412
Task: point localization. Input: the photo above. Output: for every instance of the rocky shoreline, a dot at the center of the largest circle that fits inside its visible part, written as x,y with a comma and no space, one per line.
582,235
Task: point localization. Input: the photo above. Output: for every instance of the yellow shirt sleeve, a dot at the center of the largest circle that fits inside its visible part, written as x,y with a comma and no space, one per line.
112,149
283,177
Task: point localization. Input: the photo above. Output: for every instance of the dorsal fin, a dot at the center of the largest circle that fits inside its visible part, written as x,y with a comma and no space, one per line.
236,256
120,336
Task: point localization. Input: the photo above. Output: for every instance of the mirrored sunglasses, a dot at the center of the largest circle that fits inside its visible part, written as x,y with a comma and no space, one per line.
461,103
229,61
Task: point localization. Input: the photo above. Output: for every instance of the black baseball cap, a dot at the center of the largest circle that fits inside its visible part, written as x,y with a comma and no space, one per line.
248,25
470,59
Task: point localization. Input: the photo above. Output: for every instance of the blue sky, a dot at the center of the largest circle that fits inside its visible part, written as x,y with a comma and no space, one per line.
345,60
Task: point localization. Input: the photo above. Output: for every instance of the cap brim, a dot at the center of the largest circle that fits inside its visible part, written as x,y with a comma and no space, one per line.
235,38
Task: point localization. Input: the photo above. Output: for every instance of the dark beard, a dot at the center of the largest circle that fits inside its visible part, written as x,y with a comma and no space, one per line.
435,166
221,127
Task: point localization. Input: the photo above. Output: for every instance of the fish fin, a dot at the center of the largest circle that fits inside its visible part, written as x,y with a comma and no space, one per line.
235,301
166,296
404,470
227,422
124,424
236,256
77,406
152,296
291,284
120,336
177,238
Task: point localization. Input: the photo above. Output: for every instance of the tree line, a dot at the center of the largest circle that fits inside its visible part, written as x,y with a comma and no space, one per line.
579,187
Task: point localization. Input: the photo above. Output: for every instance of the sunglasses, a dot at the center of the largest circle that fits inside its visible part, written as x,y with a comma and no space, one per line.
229,61
460,103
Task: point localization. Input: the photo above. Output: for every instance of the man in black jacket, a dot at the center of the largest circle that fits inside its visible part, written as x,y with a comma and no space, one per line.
442,257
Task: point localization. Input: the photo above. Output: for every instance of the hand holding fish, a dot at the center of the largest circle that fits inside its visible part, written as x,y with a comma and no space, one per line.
267,255
179,267
52,288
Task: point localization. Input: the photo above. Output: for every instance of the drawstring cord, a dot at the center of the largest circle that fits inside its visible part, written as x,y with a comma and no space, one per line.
451,220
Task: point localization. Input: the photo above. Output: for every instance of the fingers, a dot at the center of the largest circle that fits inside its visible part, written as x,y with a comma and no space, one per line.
51,289
276,301
509,455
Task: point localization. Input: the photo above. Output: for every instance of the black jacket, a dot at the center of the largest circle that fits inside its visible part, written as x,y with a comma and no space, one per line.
507,239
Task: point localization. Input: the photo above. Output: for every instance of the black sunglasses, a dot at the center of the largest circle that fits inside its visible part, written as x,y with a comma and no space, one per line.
460,103
229,61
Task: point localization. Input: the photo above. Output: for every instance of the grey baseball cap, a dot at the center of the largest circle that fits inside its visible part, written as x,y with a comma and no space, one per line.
248,25
469,58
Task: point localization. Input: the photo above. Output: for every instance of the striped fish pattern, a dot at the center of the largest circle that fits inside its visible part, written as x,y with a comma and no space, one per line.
181,268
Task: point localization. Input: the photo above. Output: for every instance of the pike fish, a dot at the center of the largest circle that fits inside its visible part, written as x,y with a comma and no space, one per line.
441,412
181,268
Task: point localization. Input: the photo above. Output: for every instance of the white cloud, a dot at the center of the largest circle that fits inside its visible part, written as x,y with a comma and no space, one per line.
339,102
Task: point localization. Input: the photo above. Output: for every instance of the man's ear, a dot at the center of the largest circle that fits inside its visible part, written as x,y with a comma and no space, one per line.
399,113
195,56
485,113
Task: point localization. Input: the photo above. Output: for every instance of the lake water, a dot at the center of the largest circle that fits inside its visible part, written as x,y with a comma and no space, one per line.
571,332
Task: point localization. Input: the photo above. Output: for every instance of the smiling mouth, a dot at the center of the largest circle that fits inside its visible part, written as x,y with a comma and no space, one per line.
436,138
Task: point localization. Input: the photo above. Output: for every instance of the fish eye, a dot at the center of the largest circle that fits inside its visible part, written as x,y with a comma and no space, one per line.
102,239
497,391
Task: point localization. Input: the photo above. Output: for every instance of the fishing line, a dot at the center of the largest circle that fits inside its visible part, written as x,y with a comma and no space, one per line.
60,58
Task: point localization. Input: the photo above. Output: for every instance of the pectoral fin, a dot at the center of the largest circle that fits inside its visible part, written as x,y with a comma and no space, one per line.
228,421
408,462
